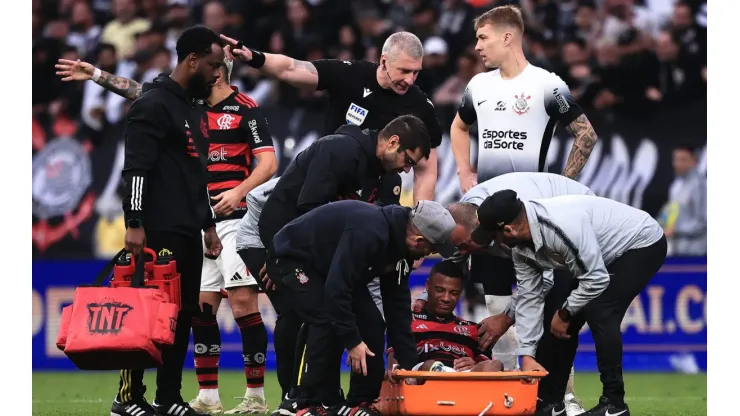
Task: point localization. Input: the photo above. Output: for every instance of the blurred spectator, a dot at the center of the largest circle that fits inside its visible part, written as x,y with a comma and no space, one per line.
93,100
348,44
120,31
299,29
448,96
424,20
435,64
680,74
576,68
176,19
684,218
401,11
214,16
623,16
586,25
456,25
42,74
692,38
152,9
84,34
374,30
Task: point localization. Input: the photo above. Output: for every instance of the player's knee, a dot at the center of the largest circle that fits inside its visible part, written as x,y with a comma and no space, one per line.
243,300
427,366
209,301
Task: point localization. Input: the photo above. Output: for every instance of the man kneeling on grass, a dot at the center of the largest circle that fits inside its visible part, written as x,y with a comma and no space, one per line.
445,342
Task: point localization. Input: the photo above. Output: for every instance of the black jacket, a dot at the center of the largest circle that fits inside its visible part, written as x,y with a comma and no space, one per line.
339,166
164,172
350,243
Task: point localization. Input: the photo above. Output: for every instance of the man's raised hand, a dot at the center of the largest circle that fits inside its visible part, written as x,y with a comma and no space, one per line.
236,48
74,70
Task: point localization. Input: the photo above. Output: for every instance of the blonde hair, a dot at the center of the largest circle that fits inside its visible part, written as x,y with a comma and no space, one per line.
501,16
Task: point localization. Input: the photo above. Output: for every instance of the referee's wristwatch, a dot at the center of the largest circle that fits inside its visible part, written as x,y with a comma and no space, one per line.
133,223
564,315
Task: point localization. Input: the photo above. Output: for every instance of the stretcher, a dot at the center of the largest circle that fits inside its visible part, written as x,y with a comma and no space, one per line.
460,394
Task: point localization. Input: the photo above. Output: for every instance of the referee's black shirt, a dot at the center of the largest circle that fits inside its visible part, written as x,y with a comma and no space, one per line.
355,97
164,176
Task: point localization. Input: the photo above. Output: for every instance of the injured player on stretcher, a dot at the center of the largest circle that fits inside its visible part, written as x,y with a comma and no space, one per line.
445,342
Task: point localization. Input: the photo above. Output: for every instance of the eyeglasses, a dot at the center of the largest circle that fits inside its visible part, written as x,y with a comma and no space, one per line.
410,162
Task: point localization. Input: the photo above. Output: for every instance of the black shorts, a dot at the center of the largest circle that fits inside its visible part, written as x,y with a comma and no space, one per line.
495,273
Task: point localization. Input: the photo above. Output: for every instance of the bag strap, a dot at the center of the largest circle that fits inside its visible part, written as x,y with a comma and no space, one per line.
137,280
104,274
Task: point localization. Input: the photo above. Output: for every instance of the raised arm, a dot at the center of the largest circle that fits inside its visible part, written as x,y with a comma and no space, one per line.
83,71
300,74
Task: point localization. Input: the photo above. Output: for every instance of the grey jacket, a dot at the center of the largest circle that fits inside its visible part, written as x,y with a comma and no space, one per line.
248,236
582,234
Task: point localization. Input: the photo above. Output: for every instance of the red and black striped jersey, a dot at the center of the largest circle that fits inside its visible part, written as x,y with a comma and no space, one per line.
235,130
445,339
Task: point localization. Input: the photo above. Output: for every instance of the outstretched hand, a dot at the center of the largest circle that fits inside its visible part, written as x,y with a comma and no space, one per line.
74,70
236,49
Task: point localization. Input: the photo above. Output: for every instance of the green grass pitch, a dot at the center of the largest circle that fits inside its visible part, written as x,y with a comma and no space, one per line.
90,393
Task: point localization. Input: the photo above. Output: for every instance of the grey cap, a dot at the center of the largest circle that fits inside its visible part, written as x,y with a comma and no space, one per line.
433,221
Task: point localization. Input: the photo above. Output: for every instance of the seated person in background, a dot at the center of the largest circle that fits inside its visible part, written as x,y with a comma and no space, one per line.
445,342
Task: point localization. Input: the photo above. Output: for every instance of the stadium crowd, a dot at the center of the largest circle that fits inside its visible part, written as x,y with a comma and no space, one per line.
629,56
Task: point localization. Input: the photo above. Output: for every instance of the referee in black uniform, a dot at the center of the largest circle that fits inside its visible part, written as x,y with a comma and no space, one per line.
363,93
166,203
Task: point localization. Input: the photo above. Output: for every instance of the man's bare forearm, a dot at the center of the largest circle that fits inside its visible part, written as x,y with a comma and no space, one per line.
584,140
300,74
124,87
425,178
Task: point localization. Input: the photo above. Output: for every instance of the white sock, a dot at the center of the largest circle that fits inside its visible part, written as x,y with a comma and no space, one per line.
256,392
209,396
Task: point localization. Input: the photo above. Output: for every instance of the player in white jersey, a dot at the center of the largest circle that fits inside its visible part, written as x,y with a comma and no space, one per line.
517,107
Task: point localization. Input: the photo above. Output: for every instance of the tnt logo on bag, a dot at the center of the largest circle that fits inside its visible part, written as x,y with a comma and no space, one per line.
107,318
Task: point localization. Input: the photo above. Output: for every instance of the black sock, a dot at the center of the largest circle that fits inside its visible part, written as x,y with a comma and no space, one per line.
207,340
254,348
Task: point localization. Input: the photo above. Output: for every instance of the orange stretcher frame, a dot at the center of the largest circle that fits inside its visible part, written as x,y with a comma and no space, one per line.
460,394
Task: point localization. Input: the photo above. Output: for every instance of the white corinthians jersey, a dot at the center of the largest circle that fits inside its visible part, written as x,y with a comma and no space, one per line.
516,118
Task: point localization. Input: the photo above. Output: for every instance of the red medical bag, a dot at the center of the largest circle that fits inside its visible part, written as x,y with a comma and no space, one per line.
124,326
